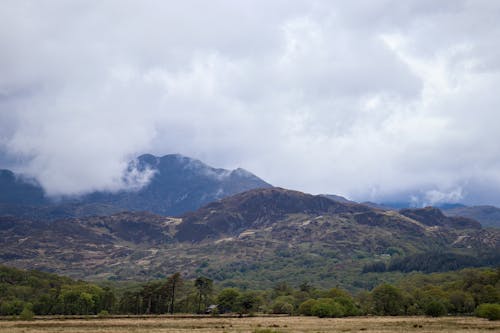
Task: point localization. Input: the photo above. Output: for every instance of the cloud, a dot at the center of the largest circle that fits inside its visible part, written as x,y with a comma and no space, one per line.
434,196
369,99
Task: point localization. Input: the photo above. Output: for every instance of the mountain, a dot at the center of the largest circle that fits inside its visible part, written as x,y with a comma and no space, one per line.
178,184
18,190
252,239
432,216
489,216
259,208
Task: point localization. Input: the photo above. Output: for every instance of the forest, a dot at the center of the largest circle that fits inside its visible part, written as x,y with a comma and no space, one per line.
465,292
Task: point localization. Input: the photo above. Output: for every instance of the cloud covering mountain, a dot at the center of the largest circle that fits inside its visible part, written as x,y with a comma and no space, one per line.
368,99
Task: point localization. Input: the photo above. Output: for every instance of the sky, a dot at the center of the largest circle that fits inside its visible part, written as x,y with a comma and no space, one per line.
375,100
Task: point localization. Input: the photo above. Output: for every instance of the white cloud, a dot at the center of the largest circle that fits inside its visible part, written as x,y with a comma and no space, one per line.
366,99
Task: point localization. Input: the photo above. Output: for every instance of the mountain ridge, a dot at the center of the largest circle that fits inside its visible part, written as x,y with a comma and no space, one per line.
176,184
255,236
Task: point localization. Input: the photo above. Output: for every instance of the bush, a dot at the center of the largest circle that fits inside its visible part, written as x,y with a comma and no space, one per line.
306,307
327,307
281,307
461,302
11,308
388,300
350,309
435,309
489,311
27,313
103,314
228,300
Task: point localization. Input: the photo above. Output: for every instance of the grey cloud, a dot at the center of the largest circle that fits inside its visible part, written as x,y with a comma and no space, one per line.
368,99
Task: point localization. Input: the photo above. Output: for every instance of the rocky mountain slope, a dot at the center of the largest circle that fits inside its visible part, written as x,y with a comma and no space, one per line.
256,237
178,184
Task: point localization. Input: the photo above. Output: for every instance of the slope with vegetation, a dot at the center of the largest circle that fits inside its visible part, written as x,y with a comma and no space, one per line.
251,239
460,293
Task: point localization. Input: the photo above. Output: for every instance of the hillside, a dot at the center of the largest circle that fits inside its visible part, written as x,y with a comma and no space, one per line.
489,216
47,294
254,238
179,184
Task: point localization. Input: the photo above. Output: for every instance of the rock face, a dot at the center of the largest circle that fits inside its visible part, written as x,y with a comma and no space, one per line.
253,236
178,184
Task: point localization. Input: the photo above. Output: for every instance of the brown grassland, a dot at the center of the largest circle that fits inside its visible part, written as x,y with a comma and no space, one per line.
252,324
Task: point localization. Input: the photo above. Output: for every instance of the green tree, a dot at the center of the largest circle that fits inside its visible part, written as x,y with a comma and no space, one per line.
174,282
435,309
85,303
204,287
282,289
350,308
11,307
461,302
248,302
388,300
336,292
305,307
306,287
327,307
489,311
27,313
228,300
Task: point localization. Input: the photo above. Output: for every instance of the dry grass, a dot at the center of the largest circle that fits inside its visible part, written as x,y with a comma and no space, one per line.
279,324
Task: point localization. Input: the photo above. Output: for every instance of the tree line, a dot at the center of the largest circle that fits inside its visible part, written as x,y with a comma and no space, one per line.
25,293
430,262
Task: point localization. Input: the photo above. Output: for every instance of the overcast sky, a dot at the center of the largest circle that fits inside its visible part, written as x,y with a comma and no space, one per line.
374,100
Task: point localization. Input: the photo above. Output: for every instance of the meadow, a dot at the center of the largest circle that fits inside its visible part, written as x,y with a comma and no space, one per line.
283,324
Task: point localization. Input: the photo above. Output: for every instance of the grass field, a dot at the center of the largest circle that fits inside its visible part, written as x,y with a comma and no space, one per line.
253,324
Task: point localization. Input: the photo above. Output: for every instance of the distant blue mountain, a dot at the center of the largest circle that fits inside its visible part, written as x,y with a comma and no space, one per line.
18,190
178,184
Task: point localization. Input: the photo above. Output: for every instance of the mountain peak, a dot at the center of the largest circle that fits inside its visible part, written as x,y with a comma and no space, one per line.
179,184
256,208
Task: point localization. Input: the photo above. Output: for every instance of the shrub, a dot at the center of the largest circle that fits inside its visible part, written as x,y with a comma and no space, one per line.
388,300
350,309
327,307
489,311
435,309
27,313
228,300
103,314
461,302
11,308
281,307
306,307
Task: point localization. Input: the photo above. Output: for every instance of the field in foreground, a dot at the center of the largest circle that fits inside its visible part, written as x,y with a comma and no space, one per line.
254,324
